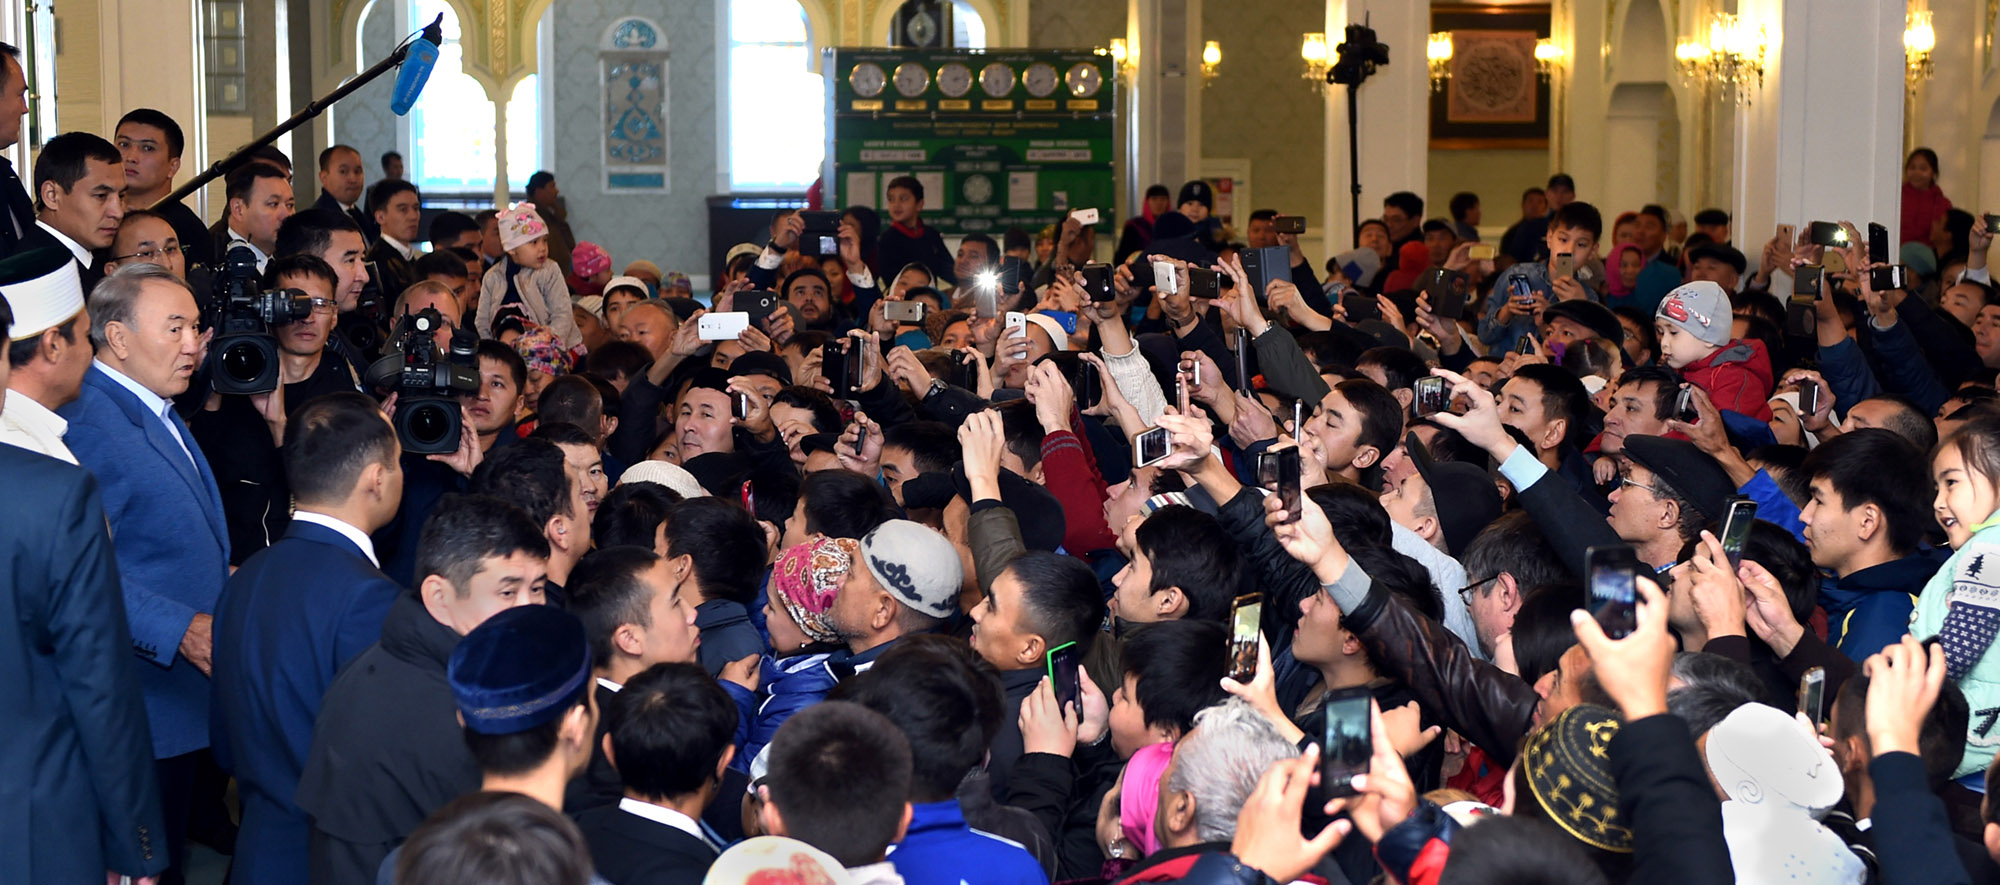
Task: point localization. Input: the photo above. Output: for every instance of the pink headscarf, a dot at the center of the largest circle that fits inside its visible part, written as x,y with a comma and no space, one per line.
1614,279
1139,801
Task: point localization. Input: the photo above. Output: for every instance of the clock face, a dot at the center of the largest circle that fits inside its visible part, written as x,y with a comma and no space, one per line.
867,79
911,78
954,80
921,29
1040,78
1084,80
997,79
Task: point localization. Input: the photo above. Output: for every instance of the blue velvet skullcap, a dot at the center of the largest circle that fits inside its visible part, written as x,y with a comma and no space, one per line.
520,669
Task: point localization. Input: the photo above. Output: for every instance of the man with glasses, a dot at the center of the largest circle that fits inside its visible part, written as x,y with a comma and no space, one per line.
144,237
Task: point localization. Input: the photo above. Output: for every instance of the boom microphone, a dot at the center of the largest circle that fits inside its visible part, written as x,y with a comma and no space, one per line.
415,71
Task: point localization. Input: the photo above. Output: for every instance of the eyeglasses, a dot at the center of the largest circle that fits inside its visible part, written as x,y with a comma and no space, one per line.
1622,482
1466,592
324,305
150,254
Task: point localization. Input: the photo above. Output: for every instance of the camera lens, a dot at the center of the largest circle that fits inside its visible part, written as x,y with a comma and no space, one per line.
429,424
243,362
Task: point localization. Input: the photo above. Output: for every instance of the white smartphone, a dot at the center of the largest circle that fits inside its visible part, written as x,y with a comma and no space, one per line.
1085,217
1017,324
722,326
1166,278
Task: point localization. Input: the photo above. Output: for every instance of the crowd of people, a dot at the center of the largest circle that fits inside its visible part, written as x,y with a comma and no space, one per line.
888,561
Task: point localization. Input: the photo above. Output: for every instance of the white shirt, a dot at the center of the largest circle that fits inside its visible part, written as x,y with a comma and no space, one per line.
359,537
27,424
153,402
408,252
661,814
608,685
74,247
236,238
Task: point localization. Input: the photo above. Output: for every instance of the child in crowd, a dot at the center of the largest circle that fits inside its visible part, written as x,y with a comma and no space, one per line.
526,282
1960,605
1694,322
1522,290
906,239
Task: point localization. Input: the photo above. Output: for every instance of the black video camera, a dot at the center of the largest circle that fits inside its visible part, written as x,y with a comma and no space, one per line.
361,328
244,356
1357,57
428,384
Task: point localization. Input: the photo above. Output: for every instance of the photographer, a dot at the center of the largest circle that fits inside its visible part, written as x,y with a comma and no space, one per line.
336,240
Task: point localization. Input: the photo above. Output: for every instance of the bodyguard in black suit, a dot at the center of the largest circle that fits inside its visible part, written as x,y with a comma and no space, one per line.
17,208
340,186
75,752
671,745
79,197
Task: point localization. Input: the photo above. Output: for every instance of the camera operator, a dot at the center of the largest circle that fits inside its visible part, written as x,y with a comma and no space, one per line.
334,238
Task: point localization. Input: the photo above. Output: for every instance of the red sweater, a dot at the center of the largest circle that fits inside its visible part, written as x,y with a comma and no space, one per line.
1737,378
1921,208
1069,471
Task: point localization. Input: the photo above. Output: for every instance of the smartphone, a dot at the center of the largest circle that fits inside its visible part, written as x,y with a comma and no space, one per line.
1613,573
748,492
1204,283
1562,265
1788,235
1809,399
834,366
1827,233
1065,673
1684,407
1835,261
1097,281
1278,472
1085,217
1360,307
1993,224
1243,385
1246,618
906,312
1806,279
1526,346
860,437
759,304
1888,277
963,373
1063,318
1261,266
1017,324
739,406
1289,224
1812,695
1878,243
1518,289
855,350
821,234
985,302
1165,279
1142,276
1447,291
1085,383
1150,446
1482,252
1429,396
1298,417
722,326
1349,740
1736,530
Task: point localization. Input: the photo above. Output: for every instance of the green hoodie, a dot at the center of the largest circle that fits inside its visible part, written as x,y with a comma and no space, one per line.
1969,576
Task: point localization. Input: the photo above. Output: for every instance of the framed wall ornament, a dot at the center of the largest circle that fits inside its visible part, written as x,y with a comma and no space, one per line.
1494,98
632,64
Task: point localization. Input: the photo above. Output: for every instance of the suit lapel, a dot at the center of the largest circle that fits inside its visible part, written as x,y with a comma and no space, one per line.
193,472
205,487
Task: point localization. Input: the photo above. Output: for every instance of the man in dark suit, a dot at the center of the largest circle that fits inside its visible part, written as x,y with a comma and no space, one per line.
671,745
398,213
75,750
165,513
80,197
17,208
340,186
294,614
152,143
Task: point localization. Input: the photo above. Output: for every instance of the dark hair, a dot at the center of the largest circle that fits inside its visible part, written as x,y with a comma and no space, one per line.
1439,225
1177,668
176,141
1542,631
631,513
945,698
1930,156
495,838
724,543
1563,396
1578,215
908,183
464,530
1374,221
1461,203
531,475
1059,598
1023,430
1880,467
299,265
326,156
310,232
825,412
1517,851
844,504
606,592
1513,544
1189,549
439,263
542,178
1666,390
65,160
932,445
381,192
1532,192
520,752
1411,204
241,181
1400,365
390,155
992,248
619,359
562,433
570,399
449,225
1909,421
1381,413
1703,705
1355,513
329,441
270,154
1016,238
840,776
1562,179
674,723
1940,741
489,349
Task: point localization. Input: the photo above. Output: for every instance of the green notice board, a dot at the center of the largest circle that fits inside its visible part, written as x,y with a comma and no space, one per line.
1004,138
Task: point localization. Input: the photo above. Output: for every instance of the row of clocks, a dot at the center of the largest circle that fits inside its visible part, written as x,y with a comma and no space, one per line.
954,79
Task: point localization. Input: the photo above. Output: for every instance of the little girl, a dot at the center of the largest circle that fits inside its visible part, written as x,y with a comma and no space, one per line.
526,282
1961,603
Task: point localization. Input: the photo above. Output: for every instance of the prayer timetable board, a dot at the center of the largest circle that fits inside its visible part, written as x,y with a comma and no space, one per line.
999,139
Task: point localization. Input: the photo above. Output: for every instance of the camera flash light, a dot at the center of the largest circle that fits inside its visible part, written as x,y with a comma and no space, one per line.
987,279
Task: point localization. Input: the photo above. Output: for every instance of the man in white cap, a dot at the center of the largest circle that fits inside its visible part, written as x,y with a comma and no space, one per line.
48,350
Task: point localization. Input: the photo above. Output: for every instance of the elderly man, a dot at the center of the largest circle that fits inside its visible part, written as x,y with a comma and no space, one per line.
1211,775
165,513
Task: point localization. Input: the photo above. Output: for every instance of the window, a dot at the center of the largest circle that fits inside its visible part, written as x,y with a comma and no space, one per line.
451,125
777,105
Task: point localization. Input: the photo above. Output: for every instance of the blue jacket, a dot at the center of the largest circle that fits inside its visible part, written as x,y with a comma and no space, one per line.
789,685
172,545
940,849
1869,610
726,634
77,793
290,618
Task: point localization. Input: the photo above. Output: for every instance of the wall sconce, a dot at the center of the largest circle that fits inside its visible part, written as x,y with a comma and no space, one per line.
1313,51
1123,60
1438,50
1918,41
1548,58
1728,56
1211,61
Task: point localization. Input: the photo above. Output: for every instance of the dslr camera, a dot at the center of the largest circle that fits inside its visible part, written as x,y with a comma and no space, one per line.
244,357
428,384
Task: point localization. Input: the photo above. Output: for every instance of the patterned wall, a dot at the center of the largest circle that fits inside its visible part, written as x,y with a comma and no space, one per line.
1261,109
362,120
1060,25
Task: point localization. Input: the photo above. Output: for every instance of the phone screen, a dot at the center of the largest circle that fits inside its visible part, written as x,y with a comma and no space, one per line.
1278,472
1063,662
1150,446
1809,399
1348,742
1246,616
1429,395
1812,694
1613,587
833,365
1736,530
1878,243
1684,408
854,354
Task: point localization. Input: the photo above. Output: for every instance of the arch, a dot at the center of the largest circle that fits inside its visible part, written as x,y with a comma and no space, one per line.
1641,131
1643,47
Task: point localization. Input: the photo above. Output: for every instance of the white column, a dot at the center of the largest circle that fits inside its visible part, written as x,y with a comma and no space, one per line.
1394,108
1163,131
1823,139
500,189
